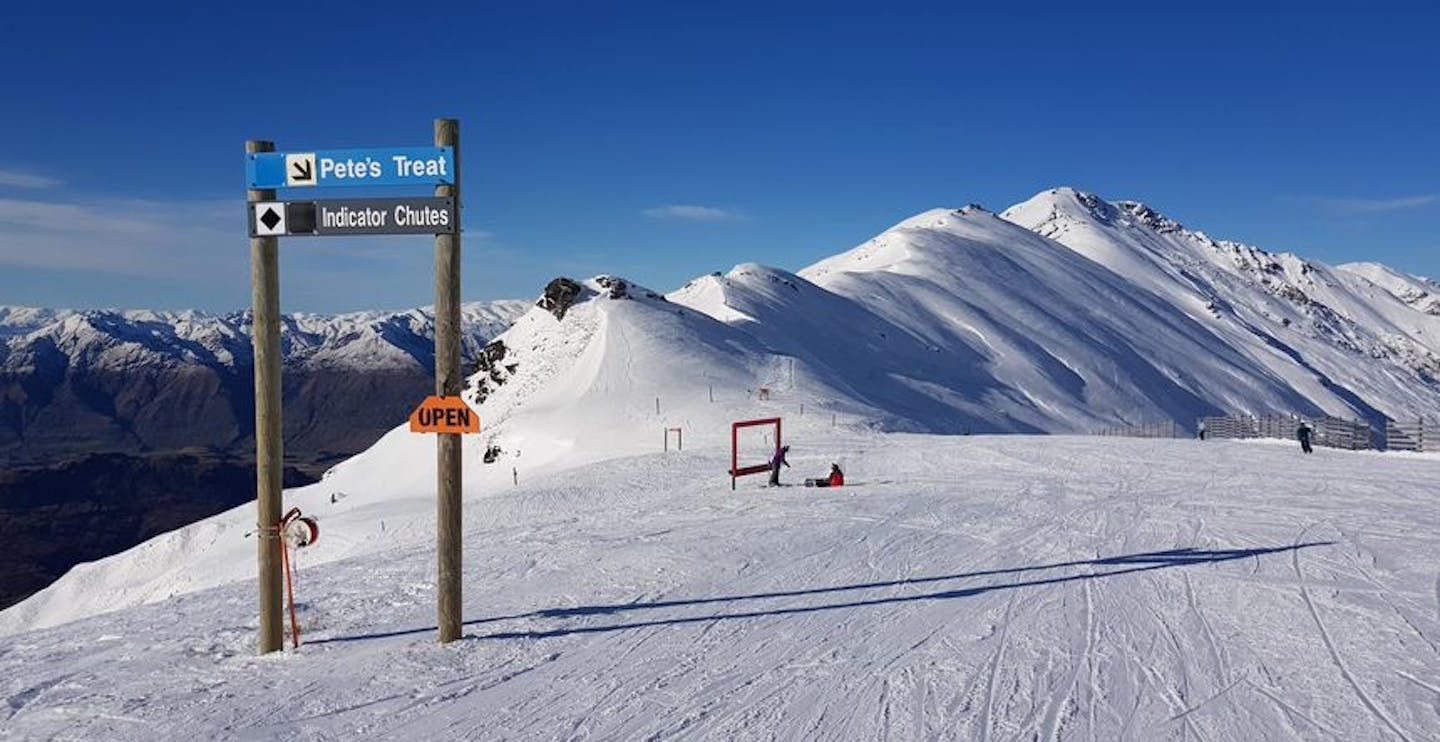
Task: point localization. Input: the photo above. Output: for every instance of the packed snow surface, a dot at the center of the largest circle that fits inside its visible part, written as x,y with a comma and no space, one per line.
964,587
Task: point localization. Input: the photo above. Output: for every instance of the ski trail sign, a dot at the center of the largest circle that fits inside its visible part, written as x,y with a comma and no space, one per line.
444,415
343,217
387,166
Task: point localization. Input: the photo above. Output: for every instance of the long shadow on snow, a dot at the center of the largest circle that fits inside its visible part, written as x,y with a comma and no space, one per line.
1147,561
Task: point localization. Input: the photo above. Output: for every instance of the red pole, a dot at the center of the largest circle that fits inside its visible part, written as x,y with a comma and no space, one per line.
290,587
734,458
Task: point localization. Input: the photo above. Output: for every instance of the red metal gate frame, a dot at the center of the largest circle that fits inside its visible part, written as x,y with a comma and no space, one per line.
735,470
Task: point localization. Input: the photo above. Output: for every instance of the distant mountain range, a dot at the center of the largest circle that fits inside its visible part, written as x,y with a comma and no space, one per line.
116,426
74,381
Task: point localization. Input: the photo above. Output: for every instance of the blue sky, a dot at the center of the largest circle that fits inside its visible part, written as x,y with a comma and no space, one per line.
787,132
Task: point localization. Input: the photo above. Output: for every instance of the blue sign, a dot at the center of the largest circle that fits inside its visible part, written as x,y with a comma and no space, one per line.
391,166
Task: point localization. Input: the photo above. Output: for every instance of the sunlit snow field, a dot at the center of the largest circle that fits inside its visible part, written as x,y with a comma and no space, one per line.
965,587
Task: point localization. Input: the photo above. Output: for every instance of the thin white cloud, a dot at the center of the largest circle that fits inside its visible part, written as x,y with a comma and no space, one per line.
17,179
1346,205
125,237
693,214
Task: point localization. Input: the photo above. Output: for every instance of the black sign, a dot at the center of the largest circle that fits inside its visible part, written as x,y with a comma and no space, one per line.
355,216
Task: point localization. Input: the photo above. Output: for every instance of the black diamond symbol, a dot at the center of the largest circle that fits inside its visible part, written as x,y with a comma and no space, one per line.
270,218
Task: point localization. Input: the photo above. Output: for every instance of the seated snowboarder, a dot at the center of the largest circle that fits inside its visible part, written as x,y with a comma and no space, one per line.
836,478
775,462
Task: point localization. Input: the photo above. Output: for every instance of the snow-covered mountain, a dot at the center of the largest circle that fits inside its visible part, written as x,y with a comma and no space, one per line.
1349,345
1068,312
608,575
1063,313
125,339
137,380
1419,292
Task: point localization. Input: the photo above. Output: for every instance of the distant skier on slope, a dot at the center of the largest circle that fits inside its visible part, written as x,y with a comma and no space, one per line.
836,479
1303,434
775,462
1200,430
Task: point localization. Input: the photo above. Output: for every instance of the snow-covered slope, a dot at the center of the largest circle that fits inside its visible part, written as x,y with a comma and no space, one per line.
1064,343
602,377
1065,313
837,350
1417,291
1333,337
962,587
570,391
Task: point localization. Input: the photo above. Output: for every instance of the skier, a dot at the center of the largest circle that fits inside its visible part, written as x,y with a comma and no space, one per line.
775,462
1303,434
1200,429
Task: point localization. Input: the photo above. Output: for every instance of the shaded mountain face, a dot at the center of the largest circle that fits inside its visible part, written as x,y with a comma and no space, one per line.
79,509
133,381
117,426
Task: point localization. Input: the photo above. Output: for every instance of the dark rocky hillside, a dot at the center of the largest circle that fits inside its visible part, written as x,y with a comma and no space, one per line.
56,515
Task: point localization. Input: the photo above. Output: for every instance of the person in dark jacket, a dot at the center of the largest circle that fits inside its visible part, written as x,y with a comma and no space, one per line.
1303,434
775,462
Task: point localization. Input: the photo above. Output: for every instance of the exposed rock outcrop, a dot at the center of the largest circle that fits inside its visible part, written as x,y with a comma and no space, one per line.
560,294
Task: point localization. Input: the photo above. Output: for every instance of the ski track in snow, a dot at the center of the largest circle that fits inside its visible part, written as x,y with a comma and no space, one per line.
1335,653
1020,588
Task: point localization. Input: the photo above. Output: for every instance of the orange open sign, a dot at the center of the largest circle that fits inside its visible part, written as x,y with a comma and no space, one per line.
444,415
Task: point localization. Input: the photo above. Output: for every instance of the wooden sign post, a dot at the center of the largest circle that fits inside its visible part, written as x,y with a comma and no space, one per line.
267,170
448,384
265,334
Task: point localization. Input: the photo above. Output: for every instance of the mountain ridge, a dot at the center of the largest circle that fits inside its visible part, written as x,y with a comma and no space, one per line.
139,380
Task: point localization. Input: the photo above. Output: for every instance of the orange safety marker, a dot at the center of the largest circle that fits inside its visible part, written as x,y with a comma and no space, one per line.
299,531
444,415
